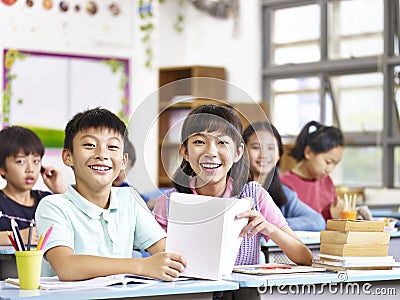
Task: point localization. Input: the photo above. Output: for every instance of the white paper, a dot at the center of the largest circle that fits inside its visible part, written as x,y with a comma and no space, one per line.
53,283
204,230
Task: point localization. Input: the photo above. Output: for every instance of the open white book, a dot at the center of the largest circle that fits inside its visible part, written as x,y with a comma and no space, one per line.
53,283
204,230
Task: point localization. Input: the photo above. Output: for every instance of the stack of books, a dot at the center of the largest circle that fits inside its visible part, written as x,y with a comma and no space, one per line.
354,245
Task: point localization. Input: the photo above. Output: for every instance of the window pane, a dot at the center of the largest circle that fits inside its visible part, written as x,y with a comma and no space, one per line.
359,99
295,101
397,167
355,28
397,90
296,54
295,34
360,166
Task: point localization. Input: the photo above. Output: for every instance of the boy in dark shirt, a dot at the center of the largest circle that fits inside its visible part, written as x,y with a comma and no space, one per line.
21,152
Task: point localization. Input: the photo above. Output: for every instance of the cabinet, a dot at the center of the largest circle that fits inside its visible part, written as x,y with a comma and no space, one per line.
181,90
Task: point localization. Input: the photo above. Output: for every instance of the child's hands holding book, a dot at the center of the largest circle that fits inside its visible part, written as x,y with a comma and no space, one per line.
257,223
164,266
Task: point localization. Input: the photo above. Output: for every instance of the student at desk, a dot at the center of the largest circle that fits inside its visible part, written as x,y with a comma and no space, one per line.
21,153
265,148
213,165
318,149
96,226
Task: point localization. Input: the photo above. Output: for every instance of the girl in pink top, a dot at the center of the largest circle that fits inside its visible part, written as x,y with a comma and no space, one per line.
318,149
213,165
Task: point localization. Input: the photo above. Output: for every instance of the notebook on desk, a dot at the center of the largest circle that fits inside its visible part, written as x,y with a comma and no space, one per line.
273,268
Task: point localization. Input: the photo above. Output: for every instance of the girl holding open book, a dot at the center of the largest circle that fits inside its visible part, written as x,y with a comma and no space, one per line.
213,165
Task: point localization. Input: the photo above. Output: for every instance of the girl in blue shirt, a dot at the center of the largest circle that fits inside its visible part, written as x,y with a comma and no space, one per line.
264,146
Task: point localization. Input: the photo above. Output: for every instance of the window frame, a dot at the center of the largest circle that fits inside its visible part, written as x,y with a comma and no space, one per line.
385,63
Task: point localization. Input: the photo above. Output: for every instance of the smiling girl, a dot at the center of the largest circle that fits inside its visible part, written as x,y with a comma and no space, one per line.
265,147
213,165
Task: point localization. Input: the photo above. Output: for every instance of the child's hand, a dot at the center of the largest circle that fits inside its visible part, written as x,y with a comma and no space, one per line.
165,266
257,223
52,178
336,207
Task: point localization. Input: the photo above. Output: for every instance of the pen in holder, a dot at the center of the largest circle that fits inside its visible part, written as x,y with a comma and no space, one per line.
29,262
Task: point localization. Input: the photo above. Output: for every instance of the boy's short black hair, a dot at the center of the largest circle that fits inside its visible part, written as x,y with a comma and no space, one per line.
93,118
13,139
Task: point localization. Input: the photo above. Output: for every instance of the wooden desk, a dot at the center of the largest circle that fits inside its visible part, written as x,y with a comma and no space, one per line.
191,289
370,284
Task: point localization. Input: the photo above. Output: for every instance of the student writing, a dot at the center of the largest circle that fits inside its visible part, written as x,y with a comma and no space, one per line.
96,226
213,165
265,148
317,150
21,153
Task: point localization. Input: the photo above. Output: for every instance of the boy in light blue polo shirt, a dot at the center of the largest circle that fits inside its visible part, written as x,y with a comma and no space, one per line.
96,226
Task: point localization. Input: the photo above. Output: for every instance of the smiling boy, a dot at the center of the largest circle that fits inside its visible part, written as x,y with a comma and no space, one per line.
96,226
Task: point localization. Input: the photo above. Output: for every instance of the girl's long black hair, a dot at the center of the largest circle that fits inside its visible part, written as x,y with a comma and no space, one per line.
272,183
318,137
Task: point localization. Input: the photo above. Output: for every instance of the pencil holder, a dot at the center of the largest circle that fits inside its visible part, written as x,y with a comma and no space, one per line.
350,215
29,267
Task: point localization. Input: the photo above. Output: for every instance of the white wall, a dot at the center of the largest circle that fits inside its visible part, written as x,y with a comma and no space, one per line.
204,41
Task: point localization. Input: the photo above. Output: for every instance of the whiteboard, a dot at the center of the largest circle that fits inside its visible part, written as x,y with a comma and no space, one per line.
46,90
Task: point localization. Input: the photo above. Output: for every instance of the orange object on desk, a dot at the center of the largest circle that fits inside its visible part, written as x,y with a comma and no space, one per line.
350,215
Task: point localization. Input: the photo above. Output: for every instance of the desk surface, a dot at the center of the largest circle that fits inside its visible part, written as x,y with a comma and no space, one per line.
7,250
189,287
252,281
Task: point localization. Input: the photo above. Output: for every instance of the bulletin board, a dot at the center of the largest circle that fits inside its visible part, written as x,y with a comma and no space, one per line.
42,91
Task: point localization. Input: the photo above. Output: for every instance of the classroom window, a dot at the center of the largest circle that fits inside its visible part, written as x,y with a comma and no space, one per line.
396,91
355,28
397,167
295,102
360,166
359,99
295,39
353,82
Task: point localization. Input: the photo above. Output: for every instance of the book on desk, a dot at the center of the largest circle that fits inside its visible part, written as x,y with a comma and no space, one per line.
272,268
343,263
354,245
